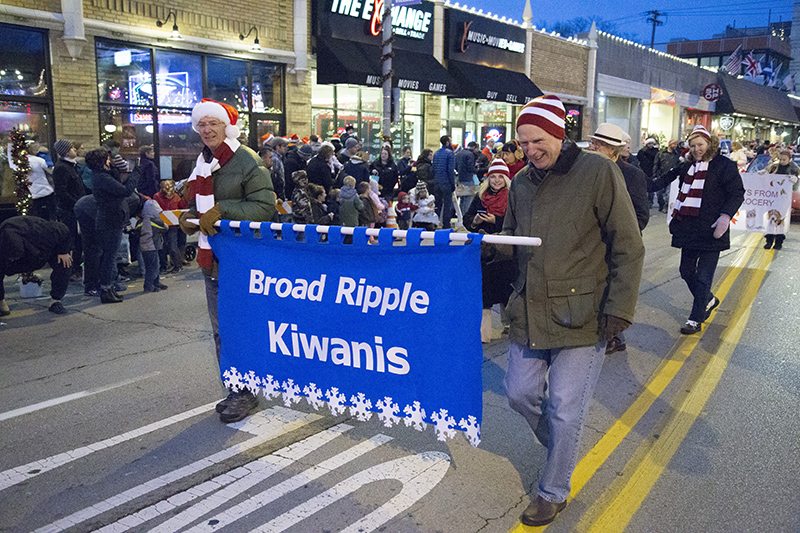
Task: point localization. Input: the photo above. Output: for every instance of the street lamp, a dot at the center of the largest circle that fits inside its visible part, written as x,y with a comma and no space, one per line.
256,47
176,35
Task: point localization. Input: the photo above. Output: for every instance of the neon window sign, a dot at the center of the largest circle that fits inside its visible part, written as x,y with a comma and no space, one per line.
173,91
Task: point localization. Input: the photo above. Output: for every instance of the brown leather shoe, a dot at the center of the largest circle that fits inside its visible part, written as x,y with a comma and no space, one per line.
541,512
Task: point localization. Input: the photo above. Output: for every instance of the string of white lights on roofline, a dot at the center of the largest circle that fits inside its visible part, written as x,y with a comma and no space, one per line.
582,42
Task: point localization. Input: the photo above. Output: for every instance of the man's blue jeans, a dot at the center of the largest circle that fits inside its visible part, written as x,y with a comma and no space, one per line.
555,407
697,270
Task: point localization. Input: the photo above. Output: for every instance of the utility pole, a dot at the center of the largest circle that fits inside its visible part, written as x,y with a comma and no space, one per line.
654,19
386,61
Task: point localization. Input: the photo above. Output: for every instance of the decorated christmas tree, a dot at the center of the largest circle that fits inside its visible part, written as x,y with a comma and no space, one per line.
19,162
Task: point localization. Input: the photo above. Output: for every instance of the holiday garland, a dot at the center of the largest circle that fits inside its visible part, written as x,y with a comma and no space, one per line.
21,168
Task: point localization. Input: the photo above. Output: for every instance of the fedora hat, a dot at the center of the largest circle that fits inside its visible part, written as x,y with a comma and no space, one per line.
609,134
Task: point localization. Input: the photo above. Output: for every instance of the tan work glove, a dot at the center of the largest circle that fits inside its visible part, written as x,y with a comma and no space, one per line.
189,228
207,220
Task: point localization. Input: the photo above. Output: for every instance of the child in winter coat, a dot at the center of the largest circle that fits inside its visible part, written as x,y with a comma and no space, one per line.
319,211
151,240
168,200
403,210
350,203
301,203
381,205
332,203
426,216
369,214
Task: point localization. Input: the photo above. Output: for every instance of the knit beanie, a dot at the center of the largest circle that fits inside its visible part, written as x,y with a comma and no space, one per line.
223,112
421,186
350,142
62,147
546,112
699,131
499,166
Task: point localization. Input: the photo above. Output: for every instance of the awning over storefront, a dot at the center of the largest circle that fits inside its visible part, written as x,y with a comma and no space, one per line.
750,98
487,83
360,64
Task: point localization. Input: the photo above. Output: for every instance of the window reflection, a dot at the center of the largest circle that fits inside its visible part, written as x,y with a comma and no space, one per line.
23,66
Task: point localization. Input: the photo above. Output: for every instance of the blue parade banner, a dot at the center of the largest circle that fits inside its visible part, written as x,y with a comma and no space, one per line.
390,328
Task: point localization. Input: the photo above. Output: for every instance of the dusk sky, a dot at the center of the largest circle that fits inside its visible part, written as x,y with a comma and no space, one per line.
691,20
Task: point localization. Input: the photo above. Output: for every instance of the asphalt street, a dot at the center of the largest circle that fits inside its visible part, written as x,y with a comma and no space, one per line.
107,423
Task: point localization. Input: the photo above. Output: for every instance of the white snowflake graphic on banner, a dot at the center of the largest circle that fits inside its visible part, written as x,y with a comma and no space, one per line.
336,401
252,382
388,412
232,379
415,416
444,425
360,407
291,393
472,429
270,388
314,396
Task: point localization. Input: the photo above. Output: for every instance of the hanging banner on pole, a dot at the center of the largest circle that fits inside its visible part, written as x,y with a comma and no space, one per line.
767,205
389,329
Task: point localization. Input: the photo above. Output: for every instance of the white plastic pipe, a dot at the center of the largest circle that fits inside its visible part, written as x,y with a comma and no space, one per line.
398,233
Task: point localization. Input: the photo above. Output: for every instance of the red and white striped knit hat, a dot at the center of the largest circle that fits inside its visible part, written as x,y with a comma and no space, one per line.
220,111
499,166
699,131
546,112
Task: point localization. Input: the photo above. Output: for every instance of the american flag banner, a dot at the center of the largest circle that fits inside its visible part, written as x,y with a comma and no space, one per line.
734,62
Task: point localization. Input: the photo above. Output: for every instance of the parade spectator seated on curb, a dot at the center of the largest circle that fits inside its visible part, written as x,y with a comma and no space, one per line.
229,182
572,294
27,244
709,195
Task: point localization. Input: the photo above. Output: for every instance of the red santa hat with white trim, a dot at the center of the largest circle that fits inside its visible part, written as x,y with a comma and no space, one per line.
220,111
546,112
499,166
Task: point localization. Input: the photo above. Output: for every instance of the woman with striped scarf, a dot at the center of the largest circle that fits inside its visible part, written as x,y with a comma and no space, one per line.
710,194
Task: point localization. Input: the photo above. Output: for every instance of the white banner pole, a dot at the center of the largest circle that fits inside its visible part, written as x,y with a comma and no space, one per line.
399,234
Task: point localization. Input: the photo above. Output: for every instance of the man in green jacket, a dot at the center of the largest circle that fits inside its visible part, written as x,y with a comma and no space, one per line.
229,182
573,293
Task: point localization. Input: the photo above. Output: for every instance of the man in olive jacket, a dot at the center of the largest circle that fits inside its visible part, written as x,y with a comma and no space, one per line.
574,292
228,182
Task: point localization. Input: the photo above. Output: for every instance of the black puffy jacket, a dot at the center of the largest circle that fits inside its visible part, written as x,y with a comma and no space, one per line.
27,243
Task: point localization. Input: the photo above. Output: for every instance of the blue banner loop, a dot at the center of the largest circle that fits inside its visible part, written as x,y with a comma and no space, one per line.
360,328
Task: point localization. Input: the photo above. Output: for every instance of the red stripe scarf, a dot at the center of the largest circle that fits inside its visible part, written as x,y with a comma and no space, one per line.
690,195
201,190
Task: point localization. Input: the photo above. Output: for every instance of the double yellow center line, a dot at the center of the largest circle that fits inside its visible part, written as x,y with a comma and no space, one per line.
616,515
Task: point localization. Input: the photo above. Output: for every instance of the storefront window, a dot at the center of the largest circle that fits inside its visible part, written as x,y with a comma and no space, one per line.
226,81
321,95
179,79
267,88
372,100
370,133
458,110
25,96
23,62
130,115
658,120
33,120
123,75
346,97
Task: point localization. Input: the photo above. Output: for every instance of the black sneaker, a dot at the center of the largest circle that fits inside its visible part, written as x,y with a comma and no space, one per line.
221,406
57,308
162,286
241,405
711,306
91,292
690,328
